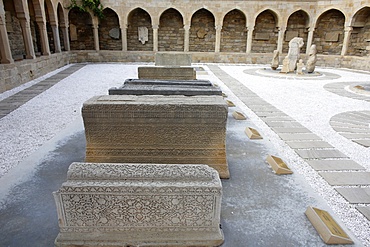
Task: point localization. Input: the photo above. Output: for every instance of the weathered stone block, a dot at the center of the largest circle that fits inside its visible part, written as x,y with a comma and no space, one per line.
167,73
139,205
157,129
172,59
166,87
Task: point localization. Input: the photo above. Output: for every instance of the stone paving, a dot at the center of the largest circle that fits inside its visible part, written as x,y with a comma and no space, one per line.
328,161
12,103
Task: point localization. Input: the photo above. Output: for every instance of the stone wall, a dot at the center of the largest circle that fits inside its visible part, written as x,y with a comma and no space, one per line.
202,32
265,33
110,23
139,18
15,36
171,31
81,32
297,27
234,33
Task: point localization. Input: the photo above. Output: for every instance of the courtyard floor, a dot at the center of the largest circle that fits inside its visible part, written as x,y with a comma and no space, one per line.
318,124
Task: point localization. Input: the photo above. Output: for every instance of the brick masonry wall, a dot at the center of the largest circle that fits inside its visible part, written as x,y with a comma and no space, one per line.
139,18
15,37
202,32
297,23
265,26
171,32
359,44
85,35
234,35
106,24
331,22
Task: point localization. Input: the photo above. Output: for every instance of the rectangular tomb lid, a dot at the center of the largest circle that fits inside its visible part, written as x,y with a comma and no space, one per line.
168,82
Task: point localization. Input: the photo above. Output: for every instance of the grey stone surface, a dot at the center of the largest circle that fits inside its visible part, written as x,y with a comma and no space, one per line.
298,136
167,73
291,130
320,154
280,118
352,130
173,59
283,124
115,33
346,178
322,165
308,144
365,211
355,195
365,143
104,204
356,135
193,83
157,129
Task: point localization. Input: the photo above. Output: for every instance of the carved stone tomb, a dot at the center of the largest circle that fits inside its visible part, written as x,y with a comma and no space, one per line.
157,129
139,205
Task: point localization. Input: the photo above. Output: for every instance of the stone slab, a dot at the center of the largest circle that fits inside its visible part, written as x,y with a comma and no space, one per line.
104,204
322,165
291,130
167,73
352,130
157,129
141,89
280,118
356,135
267,114
365,211
320,154
173,59
193,83
355,195
282,124
346,178
298,136
365,143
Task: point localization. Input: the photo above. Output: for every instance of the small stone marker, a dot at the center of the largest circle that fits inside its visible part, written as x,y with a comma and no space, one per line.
278,165
230,103
327,227
239,116
252,133
224,95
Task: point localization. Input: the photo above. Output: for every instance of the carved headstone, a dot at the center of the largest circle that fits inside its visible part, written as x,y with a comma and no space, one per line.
143,34
157,129
312,58
293,54
275,60
139,205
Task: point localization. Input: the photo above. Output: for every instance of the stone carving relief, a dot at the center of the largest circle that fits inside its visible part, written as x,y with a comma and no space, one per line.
143,34
114,33
201,33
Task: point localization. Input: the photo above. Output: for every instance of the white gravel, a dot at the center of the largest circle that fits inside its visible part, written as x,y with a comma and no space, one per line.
304,100
311,105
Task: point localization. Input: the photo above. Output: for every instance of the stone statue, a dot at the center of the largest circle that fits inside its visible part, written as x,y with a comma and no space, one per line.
294,46
300,66
143,34
312,58
275,60
285,68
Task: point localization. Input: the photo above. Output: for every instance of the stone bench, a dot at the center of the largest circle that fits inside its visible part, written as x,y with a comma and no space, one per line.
166,73
156,129
166,87
139,205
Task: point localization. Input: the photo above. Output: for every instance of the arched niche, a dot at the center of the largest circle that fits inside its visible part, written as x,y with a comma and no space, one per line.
234,32
171,31
202,32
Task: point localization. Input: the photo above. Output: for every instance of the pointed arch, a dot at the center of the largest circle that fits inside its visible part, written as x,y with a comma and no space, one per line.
360,34
265,34
202,31
139,18
62,25
171,31
110,37
50,21
329,33
297,26
80,30
234,32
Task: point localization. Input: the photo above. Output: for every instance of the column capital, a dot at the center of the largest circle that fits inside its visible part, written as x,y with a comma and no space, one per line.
187,27
155,26
250,28
348,29
311,29
218,27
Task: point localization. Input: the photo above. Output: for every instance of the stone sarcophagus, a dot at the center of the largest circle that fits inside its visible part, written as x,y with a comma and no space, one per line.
167,73
156,129
139,205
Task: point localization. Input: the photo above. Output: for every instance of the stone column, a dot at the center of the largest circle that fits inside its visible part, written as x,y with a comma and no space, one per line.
309,39
124,37
5,51
218,38
27,36
281,39
347,36
45,49
186,38
65,37
249,39
96,37
155,37
56,37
